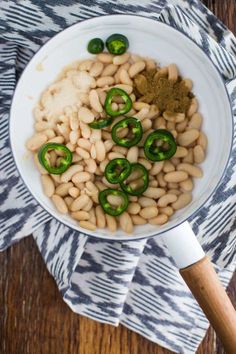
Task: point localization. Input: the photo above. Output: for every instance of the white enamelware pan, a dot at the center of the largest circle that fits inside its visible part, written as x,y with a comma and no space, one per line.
166,45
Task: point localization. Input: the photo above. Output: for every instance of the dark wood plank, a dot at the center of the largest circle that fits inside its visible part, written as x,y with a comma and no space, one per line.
225,10
33,317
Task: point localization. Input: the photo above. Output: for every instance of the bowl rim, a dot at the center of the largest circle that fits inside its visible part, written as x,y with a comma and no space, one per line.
129,237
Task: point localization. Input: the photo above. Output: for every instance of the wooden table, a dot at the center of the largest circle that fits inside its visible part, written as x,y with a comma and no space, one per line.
35,320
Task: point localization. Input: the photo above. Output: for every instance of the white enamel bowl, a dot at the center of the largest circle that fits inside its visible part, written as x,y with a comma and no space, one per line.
147,38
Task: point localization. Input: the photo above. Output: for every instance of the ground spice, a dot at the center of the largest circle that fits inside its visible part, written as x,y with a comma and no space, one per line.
154,88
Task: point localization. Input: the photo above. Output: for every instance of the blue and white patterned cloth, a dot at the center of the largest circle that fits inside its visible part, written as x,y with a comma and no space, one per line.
134,283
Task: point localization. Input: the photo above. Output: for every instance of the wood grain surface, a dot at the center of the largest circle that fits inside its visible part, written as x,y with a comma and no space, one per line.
35,320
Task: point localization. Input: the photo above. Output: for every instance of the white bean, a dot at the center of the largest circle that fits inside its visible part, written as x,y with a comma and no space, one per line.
88,206
56,179
81,177
94,101
188,83
110,70
159,123
192,170
193,107
156,168
39,166
92,216
91,188
180,127
57,140
153,183
93,152
173,72
74,192
195,121
146,202
159,219
87,225
63,189
42,126
50,133
91,165
146,124
80,215
198,154
150,64
133,208
84,98
100,150
189,157
142,114
186,186
120,149
153,112
132,154
124,77
166,210
145,163
121,59
84,144
183,200
127,88
36,141
103,164
85,130
115,155
102,96
95,135
101,220
48,185
68,201
96,69
149,212
181,152
176,176
105,81
74,136
202,140
168,167
161,180
139,105
60,204
126,222
138,220
111,223
136,68
83,153
74,122
86,65
154,192
166,199
79,203
85,115
105,58
174,117
188,137
175,191
72,170
172,185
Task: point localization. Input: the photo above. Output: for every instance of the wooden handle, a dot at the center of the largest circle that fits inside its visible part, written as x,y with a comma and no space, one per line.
205,285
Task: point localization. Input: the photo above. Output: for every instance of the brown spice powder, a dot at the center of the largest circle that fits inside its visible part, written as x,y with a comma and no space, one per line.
168,95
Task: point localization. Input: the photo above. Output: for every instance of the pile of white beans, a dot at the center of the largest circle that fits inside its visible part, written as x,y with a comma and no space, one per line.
76,190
